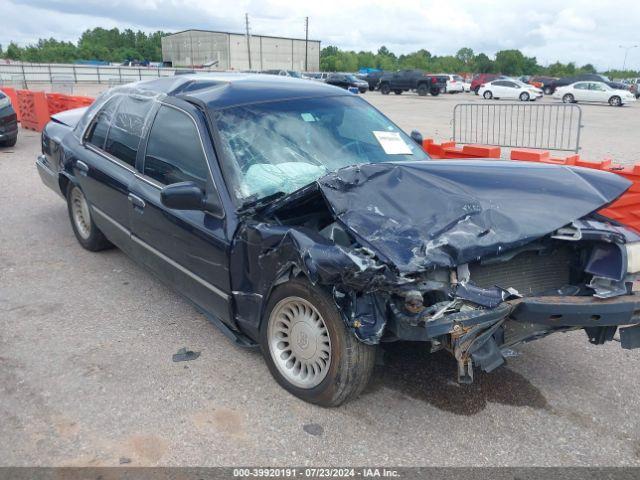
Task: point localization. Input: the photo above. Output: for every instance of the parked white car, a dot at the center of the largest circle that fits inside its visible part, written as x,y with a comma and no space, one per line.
466,86
509,89
593,92
455,84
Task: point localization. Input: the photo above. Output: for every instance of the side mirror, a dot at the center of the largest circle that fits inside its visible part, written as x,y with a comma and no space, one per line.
183,196
417,137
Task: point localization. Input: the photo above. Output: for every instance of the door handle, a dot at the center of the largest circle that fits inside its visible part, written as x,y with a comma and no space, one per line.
136,201
82,167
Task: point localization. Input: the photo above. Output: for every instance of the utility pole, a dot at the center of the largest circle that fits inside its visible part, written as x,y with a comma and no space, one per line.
306,44
626,51
246,22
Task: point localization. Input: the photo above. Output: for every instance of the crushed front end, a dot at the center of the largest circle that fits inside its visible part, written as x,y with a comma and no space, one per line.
470,257
579,277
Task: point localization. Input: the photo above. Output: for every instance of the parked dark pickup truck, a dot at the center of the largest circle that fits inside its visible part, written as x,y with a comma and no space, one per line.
300,219
412,80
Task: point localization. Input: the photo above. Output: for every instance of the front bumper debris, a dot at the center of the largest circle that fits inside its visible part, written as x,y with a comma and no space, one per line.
483,336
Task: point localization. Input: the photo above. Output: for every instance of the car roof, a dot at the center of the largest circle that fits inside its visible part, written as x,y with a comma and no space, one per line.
223,90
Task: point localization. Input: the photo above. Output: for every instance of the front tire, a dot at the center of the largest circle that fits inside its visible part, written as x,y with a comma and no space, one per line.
615,101
308,348
422,90
385,89
487,95
9,143
524,97
85,230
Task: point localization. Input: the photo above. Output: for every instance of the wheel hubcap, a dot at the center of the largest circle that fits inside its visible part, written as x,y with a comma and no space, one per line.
299,342
80,213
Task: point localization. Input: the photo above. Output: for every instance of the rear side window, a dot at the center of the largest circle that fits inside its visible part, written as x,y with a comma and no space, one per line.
97,133
126,129
174,150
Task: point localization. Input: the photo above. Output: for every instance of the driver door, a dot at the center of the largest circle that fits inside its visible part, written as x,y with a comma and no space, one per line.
188,249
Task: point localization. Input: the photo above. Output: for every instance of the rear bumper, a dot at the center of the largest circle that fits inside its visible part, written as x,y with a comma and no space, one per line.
47,175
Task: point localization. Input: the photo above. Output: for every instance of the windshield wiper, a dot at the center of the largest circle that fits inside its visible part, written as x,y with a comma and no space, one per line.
260,202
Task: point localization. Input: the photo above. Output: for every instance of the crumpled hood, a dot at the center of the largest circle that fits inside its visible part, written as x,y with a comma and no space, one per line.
419,215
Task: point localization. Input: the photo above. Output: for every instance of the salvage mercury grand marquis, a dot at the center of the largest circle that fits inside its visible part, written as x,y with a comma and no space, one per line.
297,217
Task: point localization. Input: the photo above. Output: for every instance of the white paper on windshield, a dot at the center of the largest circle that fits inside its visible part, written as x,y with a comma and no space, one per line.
392,143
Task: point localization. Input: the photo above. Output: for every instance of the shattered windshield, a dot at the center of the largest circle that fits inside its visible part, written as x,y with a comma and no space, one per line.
279,147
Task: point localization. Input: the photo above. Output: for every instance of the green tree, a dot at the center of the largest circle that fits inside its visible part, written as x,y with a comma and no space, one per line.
465,55
483,64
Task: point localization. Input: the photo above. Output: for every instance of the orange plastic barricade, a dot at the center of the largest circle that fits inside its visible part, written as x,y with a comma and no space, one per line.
34,110
13,96
449,150
78,102
56,102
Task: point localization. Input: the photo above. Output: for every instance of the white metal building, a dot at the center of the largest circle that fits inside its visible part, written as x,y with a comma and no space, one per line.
229,51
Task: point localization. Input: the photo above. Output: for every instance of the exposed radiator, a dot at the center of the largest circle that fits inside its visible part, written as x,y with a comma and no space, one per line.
529,272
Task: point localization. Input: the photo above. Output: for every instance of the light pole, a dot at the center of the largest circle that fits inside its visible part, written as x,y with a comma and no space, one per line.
626,51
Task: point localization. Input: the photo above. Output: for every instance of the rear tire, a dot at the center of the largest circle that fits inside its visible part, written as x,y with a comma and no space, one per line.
487,95
302,326
398,92
422,90
568,98
385,89
85,230
615,101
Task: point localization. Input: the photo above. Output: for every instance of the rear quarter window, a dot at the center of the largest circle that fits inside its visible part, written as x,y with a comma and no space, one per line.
126,128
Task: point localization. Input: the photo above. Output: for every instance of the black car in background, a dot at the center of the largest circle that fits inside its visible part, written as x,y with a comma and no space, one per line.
8,122
298,218
551,87
346,81
372,78
412,80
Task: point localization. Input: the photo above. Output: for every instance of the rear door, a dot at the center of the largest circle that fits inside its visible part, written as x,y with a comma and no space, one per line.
581,91
106,170
187,248
498,88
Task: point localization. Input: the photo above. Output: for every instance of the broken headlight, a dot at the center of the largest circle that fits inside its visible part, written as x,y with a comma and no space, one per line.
633,257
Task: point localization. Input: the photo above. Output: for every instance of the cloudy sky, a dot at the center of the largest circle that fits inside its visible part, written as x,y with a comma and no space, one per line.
568,30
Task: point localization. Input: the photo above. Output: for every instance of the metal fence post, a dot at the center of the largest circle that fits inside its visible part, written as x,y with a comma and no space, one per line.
98,72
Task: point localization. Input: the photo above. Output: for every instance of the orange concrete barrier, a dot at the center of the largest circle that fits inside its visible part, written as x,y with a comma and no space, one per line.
34,110
13,96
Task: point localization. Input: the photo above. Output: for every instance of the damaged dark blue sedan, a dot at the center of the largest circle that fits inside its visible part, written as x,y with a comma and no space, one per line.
298,218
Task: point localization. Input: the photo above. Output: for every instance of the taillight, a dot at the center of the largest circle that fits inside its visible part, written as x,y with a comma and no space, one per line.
433,80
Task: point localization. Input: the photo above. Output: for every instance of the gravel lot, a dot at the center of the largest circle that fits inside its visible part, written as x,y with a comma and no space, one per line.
86,375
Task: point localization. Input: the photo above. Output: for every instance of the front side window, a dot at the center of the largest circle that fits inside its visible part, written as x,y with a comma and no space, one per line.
282,146
97,133
127,128
174,151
